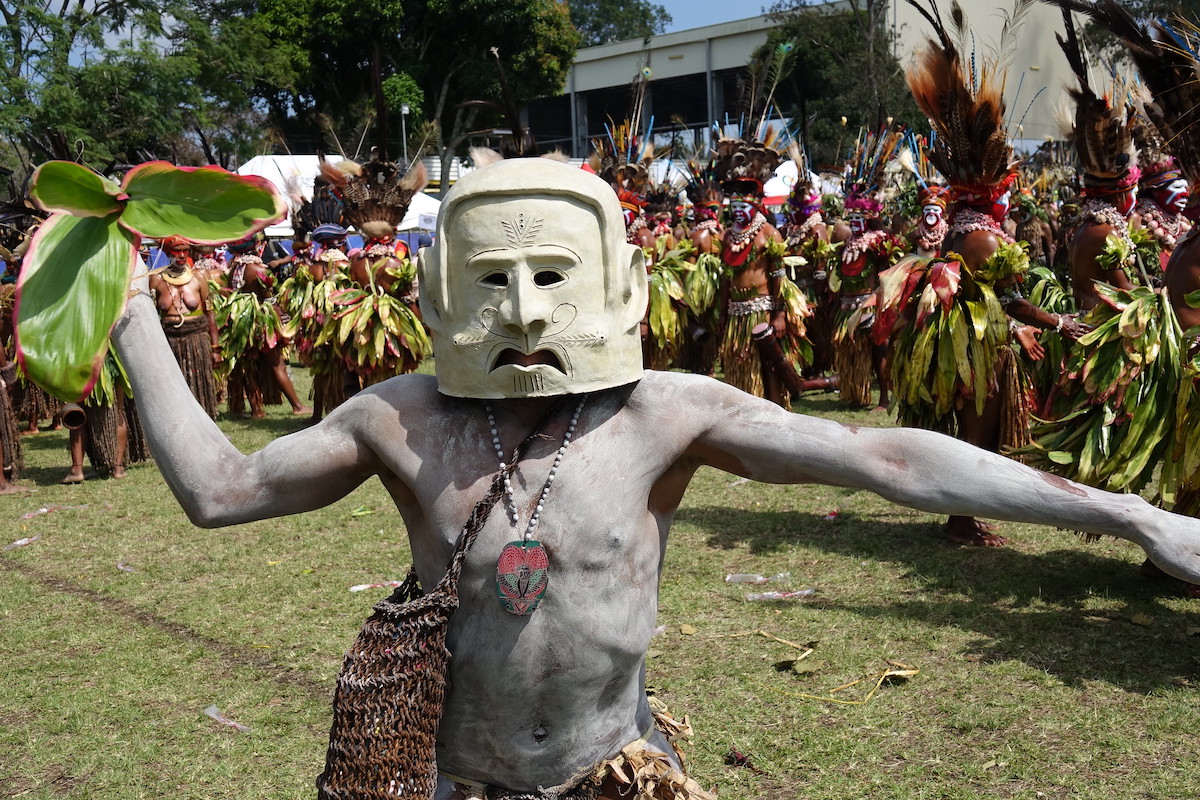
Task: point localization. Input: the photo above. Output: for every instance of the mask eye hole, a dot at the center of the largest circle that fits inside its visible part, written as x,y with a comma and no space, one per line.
548,278
494,280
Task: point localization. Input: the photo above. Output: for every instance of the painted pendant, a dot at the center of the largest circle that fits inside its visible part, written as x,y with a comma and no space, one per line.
522,574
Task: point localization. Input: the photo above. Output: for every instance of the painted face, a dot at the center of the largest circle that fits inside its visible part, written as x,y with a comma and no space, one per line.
857,222
742,214
1173,197
179,258
630,215
931,215
529,309
1000,206
1125,201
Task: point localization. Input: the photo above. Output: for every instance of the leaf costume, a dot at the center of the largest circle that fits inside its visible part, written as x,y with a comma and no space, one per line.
955,348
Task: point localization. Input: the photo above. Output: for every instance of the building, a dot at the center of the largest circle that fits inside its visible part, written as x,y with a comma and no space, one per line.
694,74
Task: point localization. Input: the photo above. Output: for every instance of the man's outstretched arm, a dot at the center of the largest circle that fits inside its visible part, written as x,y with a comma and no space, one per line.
934,473
214,482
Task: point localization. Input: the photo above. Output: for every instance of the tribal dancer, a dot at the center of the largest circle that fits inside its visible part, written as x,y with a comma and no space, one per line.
12,459
869,250
702,284
387,337
1162,197
252,337
953,365
1110,418
757,290
182,296
807,238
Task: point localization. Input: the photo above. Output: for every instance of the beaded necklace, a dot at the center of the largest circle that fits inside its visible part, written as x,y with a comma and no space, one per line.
859,245
737,241
631,231
799,233
523,568
710,225
1102,213
1164,227
932,238
968,220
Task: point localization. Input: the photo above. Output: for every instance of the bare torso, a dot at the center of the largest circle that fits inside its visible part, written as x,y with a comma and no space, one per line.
1086,246
1183,277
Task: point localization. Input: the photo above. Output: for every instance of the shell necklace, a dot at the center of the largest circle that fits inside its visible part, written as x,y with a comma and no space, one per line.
523,568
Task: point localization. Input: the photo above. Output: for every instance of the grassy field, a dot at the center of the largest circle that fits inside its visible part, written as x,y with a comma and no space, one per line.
1046,669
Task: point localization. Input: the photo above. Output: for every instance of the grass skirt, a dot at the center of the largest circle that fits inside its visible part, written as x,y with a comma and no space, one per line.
852,359
11,457
739,356
193,350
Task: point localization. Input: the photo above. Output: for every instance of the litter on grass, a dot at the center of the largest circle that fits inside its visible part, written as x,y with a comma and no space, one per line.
362,587
50,509
895,670
21,542
215,713
754,597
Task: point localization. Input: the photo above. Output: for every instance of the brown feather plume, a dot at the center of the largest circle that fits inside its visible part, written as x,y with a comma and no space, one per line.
1164,57
965,109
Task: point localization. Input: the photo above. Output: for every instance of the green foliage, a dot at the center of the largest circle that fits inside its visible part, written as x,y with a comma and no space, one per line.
402,89
604,21
77,273
844,67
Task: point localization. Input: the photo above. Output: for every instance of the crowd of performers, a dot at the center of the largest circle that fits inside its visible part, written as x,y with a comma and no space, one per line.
1040,309
234,320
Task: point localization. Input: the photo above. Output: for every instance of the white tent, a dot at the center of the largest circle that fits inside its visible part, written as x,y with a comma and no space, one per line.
300,171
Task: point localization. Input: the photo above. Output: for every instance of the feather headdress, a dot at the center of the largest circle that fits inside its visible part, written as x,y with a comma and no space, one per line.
1101,131
1166,59
805,197
862,183
624,154
744,166
965,105
376,194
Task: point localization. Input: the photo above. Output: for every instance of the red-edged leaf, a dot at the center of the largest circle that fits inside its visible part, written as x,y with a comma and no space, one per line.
72,289
67,187
207,205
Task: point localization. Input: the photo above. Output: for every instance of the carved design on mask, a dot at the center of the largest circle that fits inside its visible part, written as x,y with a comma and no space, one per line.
522,231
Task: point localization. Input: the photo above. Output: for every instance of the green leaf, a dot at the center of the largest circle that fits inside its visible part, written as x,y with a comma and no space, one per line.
203,204
67,187
72,290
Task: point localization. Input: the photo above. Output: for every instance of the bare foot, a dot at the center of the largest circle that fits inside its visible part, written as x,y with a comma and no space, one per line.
879,409
28,431
1150,570
12,488
74,476
118,472
301,411
258,415
970,531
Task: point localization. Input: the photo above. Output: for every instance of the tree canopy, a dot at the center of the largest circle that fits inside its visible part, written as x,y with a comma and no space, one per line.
108,82
604,21
844,68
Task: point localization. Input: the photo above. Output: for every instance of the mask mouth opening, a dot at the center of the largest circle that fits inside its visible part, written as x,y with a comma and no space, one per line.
512,357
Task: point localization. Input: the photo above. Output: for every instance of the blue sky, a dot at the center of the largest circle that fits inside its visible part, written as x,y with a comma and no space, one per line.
695,13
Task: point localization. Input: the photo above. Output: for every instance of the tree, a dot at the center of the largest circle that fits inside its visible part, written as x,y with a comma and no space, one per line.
45,75
844,69
604,21
362,57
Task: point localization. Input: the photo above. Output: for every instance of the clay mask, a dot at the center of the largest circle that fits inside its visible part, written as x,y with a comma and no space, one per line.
531,289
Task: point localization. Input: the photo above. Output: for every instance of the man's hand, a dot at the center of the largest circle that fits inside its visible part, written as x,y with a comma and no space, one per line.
779,323
1071,328
1027,337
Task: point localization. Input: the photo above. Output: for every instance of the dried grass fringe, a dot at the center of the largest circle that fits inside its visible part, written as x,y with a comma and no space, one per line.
12,458
1013,388
852,363
191,346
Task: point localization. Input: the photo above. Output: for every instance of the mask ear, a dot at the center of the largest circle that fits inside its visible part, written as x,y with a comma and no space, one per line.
638,297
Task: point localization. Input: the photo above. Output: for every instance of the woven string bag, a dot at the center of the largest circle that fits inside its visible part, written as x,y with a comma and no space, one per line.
392,686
